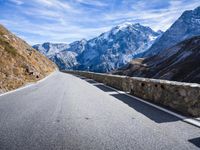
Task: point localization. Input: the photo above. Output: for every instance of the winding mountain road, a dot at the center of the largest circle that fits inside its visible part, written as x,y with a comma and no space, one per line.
69,112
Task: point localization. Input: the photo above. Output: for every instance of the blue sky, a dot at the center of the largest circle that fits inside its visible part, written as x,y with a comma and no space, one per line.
38,21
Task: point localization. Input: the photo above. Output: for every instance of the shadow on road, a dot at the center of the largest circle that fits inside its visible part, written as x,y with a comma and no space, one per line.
151,112
195,141
104,88
90,81
99,85
147,110
84,78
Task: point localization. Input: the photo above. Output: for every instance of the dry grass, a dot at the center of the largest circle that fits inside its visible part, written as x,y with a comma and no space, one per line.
20,63
7,47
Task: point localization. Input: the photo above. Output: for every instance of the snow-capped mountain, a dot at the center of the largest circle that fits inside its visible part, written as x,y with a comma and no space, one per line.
116,47
50,49
65,59
187,26
104,53
64,55
77,46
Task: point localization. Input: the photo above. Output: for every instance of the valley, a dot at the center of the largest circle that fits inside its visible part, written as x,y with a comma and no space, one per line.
136,50
99,74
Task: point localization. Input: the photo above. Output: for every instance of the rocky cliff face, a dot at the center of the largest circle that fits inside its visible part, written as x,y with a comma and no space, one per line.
187,26
20,63
104,53
180,63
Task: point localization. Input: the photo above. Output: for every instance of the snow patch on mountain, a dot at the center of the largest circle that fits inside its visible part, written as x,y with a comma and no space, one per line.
65,59
108,51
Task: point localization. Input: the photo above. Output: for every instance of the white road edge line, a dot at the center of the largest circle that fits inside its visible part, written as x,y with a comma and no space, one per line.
191,121
28,84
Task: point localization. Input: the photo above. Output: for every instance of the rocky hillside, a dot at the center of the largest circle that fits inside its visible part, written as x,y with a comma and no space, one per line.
185,27
104,53
20,63
179,63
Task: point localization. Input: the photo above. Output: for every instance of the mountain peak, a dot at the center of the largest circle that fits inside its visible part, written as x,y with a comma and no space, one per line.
138,25
129,24
83,40
191,13
124,25
130,27
185,27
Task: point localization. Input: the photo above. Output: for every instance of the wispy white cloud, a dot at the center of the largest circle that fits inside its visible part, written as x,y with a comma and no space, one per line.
54,32
92,2
68,20
17,2
53,3
157,18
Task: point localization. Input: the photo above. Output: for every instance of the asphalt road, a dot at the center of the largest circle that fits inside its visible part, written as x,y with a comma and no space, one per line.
67,112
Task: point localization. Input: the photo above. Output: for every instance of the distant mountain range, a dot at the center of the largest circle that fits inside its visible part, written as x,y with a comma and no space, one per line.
107,52
167,55
20,63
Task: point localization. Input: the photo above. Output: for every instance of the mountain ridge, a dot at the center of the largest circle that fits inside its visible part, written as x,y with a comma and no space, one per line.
121,43
179,63
185,27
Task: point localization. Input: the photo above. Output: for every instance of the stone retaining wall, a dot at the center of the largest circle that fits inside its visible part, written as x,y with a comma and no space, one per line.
182,97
